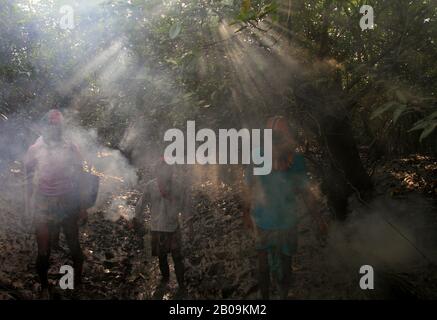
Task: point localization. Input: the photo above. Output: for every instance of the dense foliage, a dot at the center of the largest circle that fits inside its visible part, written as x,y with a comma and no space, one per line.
135,68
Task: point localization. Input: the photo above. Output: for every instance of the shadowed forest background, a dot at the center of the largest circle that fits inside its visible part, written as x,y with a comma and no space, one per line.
363,105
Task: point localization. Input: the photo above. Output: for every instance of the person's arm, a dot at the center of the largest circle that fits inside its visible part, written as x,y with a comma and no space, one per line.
181,198
30,163
316,214
310,201
313,208
246,203
78,168
187,213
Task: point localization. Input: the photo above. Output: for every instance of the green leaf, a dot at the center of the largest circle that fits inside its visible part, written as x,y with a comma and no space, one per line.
175,30
428,130
188,95
275,17
384,108
245,6
268,8
432,115
398,112
419,125
401,96
172,61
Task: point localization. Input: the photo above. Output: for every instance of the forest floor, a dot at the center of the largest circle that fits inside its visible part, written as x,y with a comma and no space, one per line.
221,258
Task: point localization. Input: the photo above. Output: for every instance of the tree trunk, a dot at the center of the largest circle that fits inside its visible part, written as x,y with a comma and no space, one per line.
343,171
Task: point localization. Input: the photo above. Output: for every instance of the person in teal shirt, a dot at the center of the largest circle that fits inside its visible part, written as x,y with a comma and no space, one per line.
271,208
276,209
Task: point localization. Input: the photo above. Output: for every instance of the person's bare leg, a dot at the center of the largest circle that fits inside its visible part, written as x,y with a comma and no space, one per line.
264,274
71,231
286,276
163,267
42,260
179,268
55,231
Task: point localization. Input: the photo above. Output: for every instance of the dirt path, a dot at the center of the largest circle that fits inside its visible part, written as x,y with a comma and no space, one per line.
221,259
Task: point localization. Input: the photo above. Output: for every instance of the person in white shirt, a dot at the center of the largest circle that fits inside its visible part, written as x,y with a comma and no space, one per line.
166,199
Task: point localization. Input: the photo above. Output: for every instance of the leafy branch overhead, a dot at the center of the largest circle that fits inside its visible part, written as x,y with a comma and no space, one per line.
402,106
251,13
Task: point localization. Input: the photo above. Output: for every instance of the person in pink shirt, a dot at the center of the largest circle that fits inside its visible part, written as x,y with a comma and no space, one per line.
53,170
